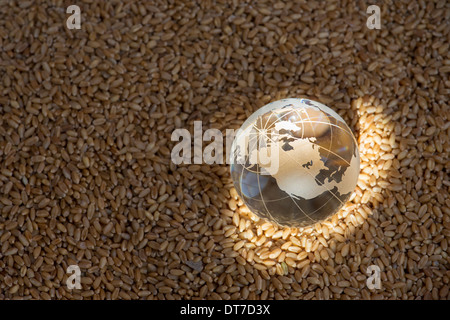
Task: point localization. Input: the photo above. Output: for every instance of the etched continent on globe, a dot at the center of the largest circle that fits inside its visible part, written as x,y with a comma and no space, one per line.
316,157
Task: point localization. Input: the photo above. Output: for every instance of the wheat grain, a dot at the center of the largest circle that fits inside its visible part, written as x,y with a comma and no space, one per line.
86,176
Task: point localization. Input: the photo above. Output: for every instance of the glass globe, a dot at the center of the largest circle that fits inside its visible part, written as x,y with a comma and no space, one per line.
294,162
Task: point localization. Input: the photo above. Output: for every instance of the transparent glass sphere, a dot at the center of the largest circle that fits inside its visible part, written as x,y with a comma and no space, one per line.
294,162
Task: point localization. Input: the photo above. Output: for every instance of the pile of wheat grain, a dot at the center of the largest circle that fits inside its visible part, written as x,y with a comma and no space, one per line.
86,118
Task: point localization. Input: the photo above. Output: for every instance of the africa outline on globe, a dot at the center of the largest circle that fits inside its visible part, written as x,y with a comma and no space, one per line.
313,168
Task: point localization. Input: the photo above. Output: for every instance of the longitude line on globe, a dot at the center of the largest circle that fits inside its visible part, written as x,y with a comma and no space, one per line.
329,190
314,133
258,176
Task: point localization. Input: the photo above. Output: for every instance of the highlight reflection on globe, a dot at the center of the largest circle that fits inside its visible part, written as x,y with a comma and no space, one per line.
294,162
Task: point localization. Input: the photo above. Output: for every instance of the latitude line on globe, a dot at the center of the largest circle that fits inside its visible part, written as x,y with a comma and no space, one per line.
296,204
246,184
331,124
312,176
329,151
329,190
314,132
260,133
303,128
328,115
310,121
329,199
